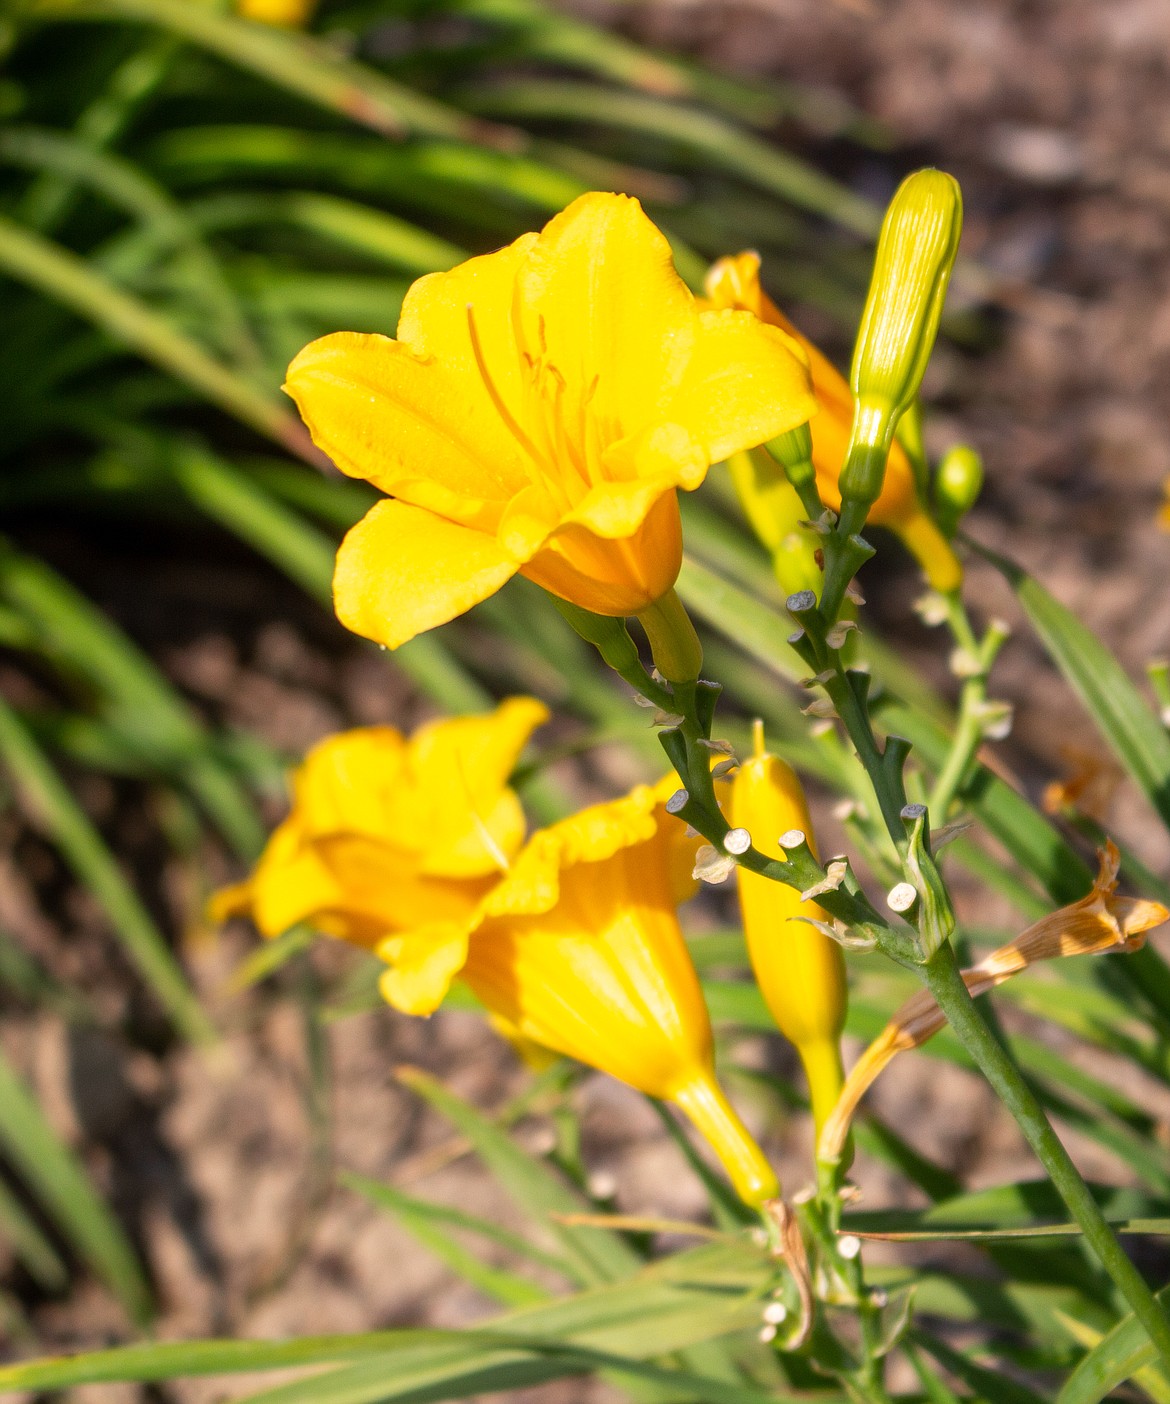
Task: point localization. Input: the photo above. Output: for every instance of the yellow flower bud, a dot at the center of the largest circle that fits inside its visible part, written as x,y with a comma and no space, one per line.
915,254
290,14
800,971
957,485
774,509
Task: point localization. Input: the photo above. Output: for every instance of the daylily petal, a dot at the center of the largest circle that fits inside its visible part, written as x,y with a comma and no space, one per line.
614,577
409,422
402,570
351,782
589,836
385,886
746,383
473,823
422,966
463,321
599,296
290,882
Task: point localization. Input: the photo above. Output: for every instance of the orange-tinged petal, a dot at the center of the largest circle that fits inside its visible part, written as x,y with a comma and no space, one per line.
235,900
589,836
403,570
472,822
614,577
746,382
422,966
409,422
599,296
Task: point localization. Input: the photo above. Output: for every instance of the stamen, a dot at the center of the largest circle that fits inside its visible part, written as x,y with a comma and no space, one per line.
496,398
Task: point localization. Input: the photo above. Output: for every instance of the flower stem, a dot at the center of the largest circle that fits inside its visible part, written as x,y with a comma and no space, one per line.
945,982
678,654
703,1101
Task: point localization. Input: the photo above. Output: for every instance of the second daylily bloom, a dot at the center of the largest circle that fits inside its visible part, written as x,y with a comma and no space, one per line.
578,949
388,833
536,414
735,282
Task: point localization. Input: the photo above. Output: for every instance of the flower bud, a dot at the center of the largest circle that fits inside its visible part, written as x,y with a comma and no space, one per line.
288,14
957,485
800,971
775,512
915,254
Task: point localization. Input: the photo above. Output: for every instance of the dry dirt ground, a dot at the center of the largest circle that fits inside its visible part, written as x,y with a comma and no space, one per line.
1054,116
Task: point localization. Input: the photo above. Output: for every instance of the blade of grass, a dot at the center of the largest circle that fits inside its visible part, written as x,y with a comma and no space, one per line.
1132,730
68,279
595,1255
428,1227
47,798
704,134
306,554
1121,1354
29,1244
145,712
60,1183
298,63
126,186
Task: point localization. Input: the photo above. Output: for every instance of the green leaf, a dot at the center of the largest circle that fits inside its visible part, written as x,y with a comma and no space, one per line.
1121,1354
428,1222
70,280
689,1298
1133,731
989,1385
149,717
306,555
595,1255
30,1245
703,133
62,1186
67,824
1153,1379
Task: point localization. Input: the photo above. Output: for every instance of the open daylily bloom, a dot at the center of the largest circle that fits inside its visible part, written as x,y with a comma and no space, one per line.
578,949
735,283
387,833
536,414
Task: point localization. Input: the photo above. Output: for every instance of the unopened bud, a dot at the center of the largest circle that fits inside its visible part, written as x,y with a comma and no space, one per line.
915,254
957,485
794,452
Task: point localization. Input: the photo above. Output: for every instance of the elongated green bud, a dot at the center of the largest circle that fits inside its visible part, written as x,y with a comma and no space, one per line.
915,254
957,486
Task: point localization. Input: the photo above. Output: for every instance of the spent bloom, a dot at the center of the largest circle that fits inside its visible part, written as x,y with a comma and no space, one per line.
578,949
388,833
536,414
800,970
735,282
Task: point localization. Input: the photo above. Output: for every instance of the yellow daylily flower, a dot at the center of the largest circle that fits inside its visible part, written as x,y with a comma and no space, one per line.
289,14
388,833
578,949
536,415
800,970
735,283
